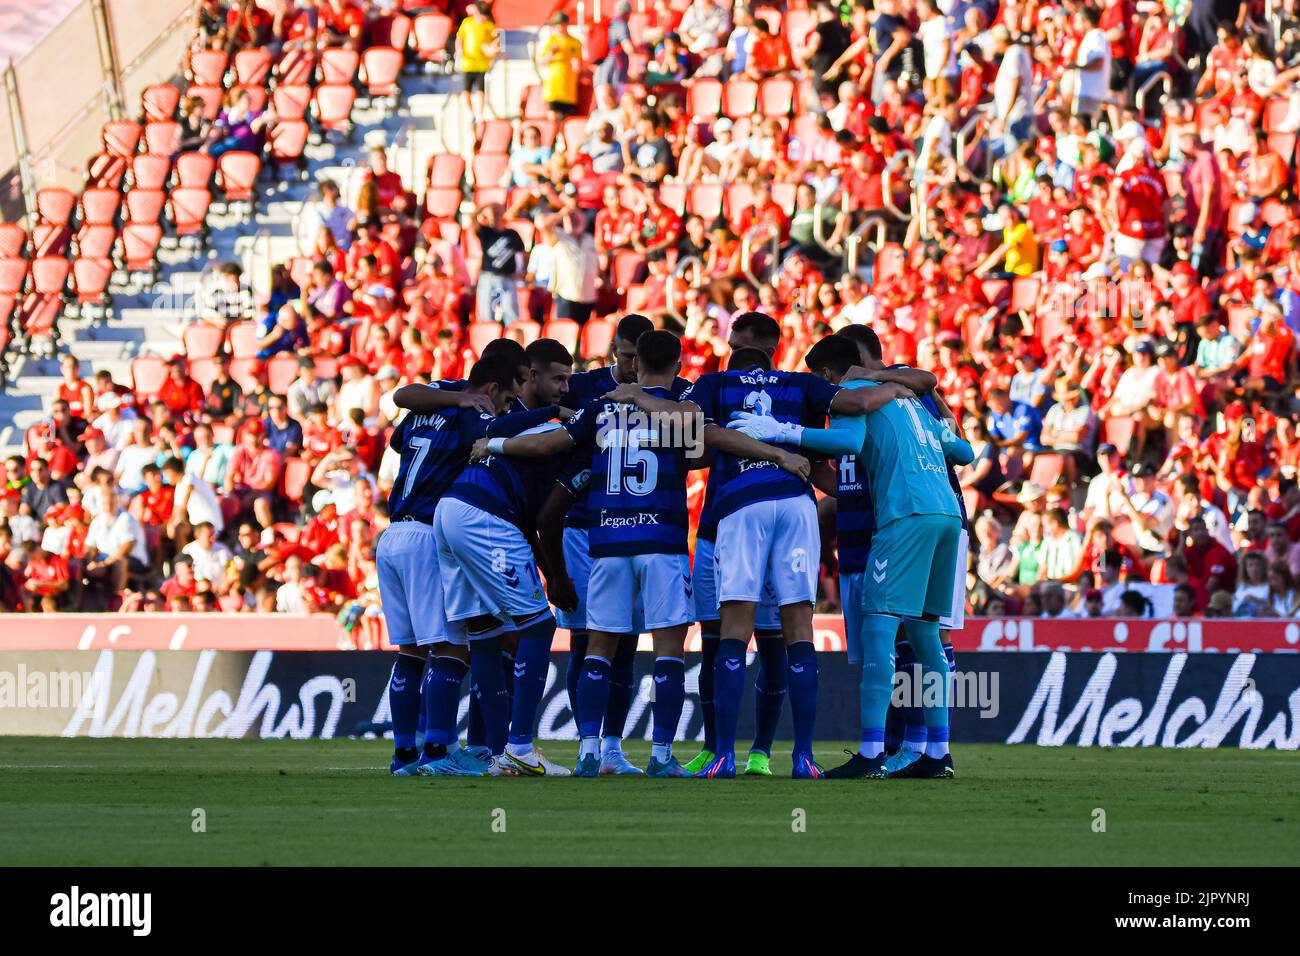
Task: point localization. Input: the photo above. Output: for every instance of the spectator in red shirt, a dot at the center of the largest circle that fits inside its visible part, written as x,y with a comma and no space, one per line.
181,394
46,581
1267,357
253,473
182,583
1209,564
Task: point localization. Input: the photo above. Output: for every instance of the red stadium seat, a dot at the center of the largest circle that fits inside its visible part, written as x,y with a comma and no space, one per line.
524,331
1047,469
432,31
204,371
332,105
50,275
208,67
242,338
673,195
55,206
194,170
211,97
564,331
150,171
201,340
189,210
158,102
704,98
489,169
121,137
99,206
1119,432
244,371
281,370
574,132
445,170
237,174
380,67
286,141
296,68
740,98
776,97
294,478
1024,294
90,278
783,194
291,101
532,104
624,268
442,202
13,276
13,240
479,334
797,24
96,242
705,200
50,239
339,65
163,138
494,136
252,67
140,246
145,205
597,339
148,373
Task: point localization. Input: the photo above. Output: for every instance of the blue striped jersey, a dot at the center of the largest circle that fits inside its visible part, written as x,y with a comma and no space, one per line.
584,388
434,450
855,515
636,495
513,489
799,398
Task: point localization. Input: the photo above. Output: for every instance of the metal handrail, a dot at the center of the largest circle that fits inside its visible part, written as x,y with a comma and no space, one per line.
887,195
857,237
747,244
692,262
1140,97
963,134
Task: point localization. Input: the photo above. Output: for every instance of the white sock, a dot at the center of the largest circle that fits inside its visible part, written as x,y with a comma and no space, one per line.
662,752
589,747
937,749
873,748
519,750
611,745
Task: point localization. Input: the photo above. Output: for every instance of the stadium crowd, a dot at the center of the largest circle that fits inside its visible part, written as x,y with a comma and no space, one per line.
1079,216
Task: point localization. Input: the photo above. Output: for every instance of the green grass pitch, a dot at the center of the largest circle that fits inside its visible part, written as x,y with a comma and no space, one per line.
275,803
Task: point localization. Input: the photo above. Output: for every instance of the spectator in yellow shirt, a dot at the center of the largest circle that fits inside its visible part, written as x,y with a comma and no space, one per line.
477,44
560,61
1018,253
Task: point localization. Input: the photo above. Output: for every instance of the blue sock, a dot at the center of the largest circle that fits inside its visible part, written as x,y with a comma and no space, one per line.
876,685
593,696
404,699
728,688
442,699
935,675
803,693
769,692
508,672
475,732
577,654
422,725
670,695
532,662
906,720
490,689
620,688
708,658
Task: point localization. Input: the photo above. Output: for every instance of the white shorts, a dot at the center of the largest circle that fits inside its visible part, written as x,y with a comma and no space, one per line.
663,581
956,620
704,587
1128,249
577,561
487,567
410,586
776,543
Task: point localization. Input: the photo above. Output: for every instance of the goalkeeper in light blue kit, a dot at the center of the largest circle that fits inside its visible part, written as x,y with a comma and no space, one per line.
902,449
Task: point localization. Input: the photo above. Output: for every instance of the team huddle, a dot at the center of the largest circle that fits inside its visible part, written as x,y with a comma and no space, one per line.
528,485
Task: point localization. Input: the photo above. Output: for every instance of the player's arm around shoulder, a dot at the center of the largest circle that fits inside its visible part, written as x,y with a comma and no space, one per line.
862,396
739,445
432,398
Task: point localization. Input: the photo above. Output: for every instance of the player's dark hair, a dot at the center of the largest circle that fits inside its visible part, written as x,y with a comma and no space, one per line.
658,351
835,354
865,337
760,327
632,326
746,358
495,370
545,351
508,349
